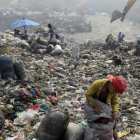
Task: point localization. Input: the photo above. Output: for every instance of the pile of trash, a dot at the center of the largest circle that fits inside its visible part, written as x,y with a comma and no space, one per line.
43,92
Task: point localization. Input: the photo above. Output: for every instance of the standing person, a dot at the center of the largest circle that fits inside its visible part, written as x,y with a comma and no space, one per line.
52,34
122,38
119,37
107,92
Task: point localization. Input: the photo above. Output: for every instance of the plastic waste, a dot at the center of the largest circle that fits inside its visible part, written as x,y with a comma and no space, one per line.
48,92
82,123
136,137
33,93
70,87
25,117
36,126
13,138
124,133
44,107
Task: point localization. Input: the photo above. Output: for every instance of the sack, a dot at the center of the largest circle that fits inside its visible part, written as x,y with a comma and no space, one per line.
41,41
74,132
39,46
48,92
79,134
2,119
94,134
53,126
4,49
57,36
24,45
7,68
98,130
58,50
41,51
50,48
70,131
91,116
20,69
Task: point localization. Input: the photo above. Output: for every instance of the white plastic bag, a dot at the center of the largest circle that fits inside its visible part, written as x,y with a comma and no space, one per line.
25,117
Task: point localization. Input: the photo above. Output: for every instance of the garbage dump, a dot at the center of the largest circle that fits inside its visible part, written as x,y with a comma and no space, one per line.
43,85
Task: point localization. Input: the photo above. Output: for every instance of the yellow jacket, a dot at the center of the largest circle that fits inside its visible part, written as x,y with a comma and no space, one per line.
94,92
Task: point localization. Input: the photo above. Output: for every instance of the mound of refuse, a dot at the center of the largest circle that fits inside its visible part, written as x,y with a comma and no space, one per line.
42,87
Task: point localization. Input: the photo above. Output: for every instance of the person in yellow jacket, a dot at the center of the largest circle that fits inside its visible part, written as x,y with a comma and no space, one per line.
106,91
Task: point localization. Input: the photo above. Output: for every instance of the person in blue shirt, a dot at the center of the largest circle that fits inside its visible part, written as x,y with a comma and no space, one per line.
119,37
52,35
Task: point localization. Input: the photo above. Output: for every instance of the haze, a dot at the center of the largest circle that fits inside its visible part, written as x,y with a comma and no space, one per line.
100,5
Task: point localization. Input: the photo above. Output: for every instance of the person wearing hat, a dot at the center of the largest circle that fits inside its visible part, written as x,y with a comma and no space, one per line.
107,92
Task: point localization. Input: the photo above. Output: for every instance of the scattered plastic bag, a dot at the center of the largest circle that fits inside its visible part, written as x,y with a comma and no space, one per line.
25,117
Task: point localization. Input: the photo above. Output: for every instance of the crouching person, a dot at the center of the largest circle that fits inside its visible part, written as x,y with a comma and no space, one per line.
101,96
